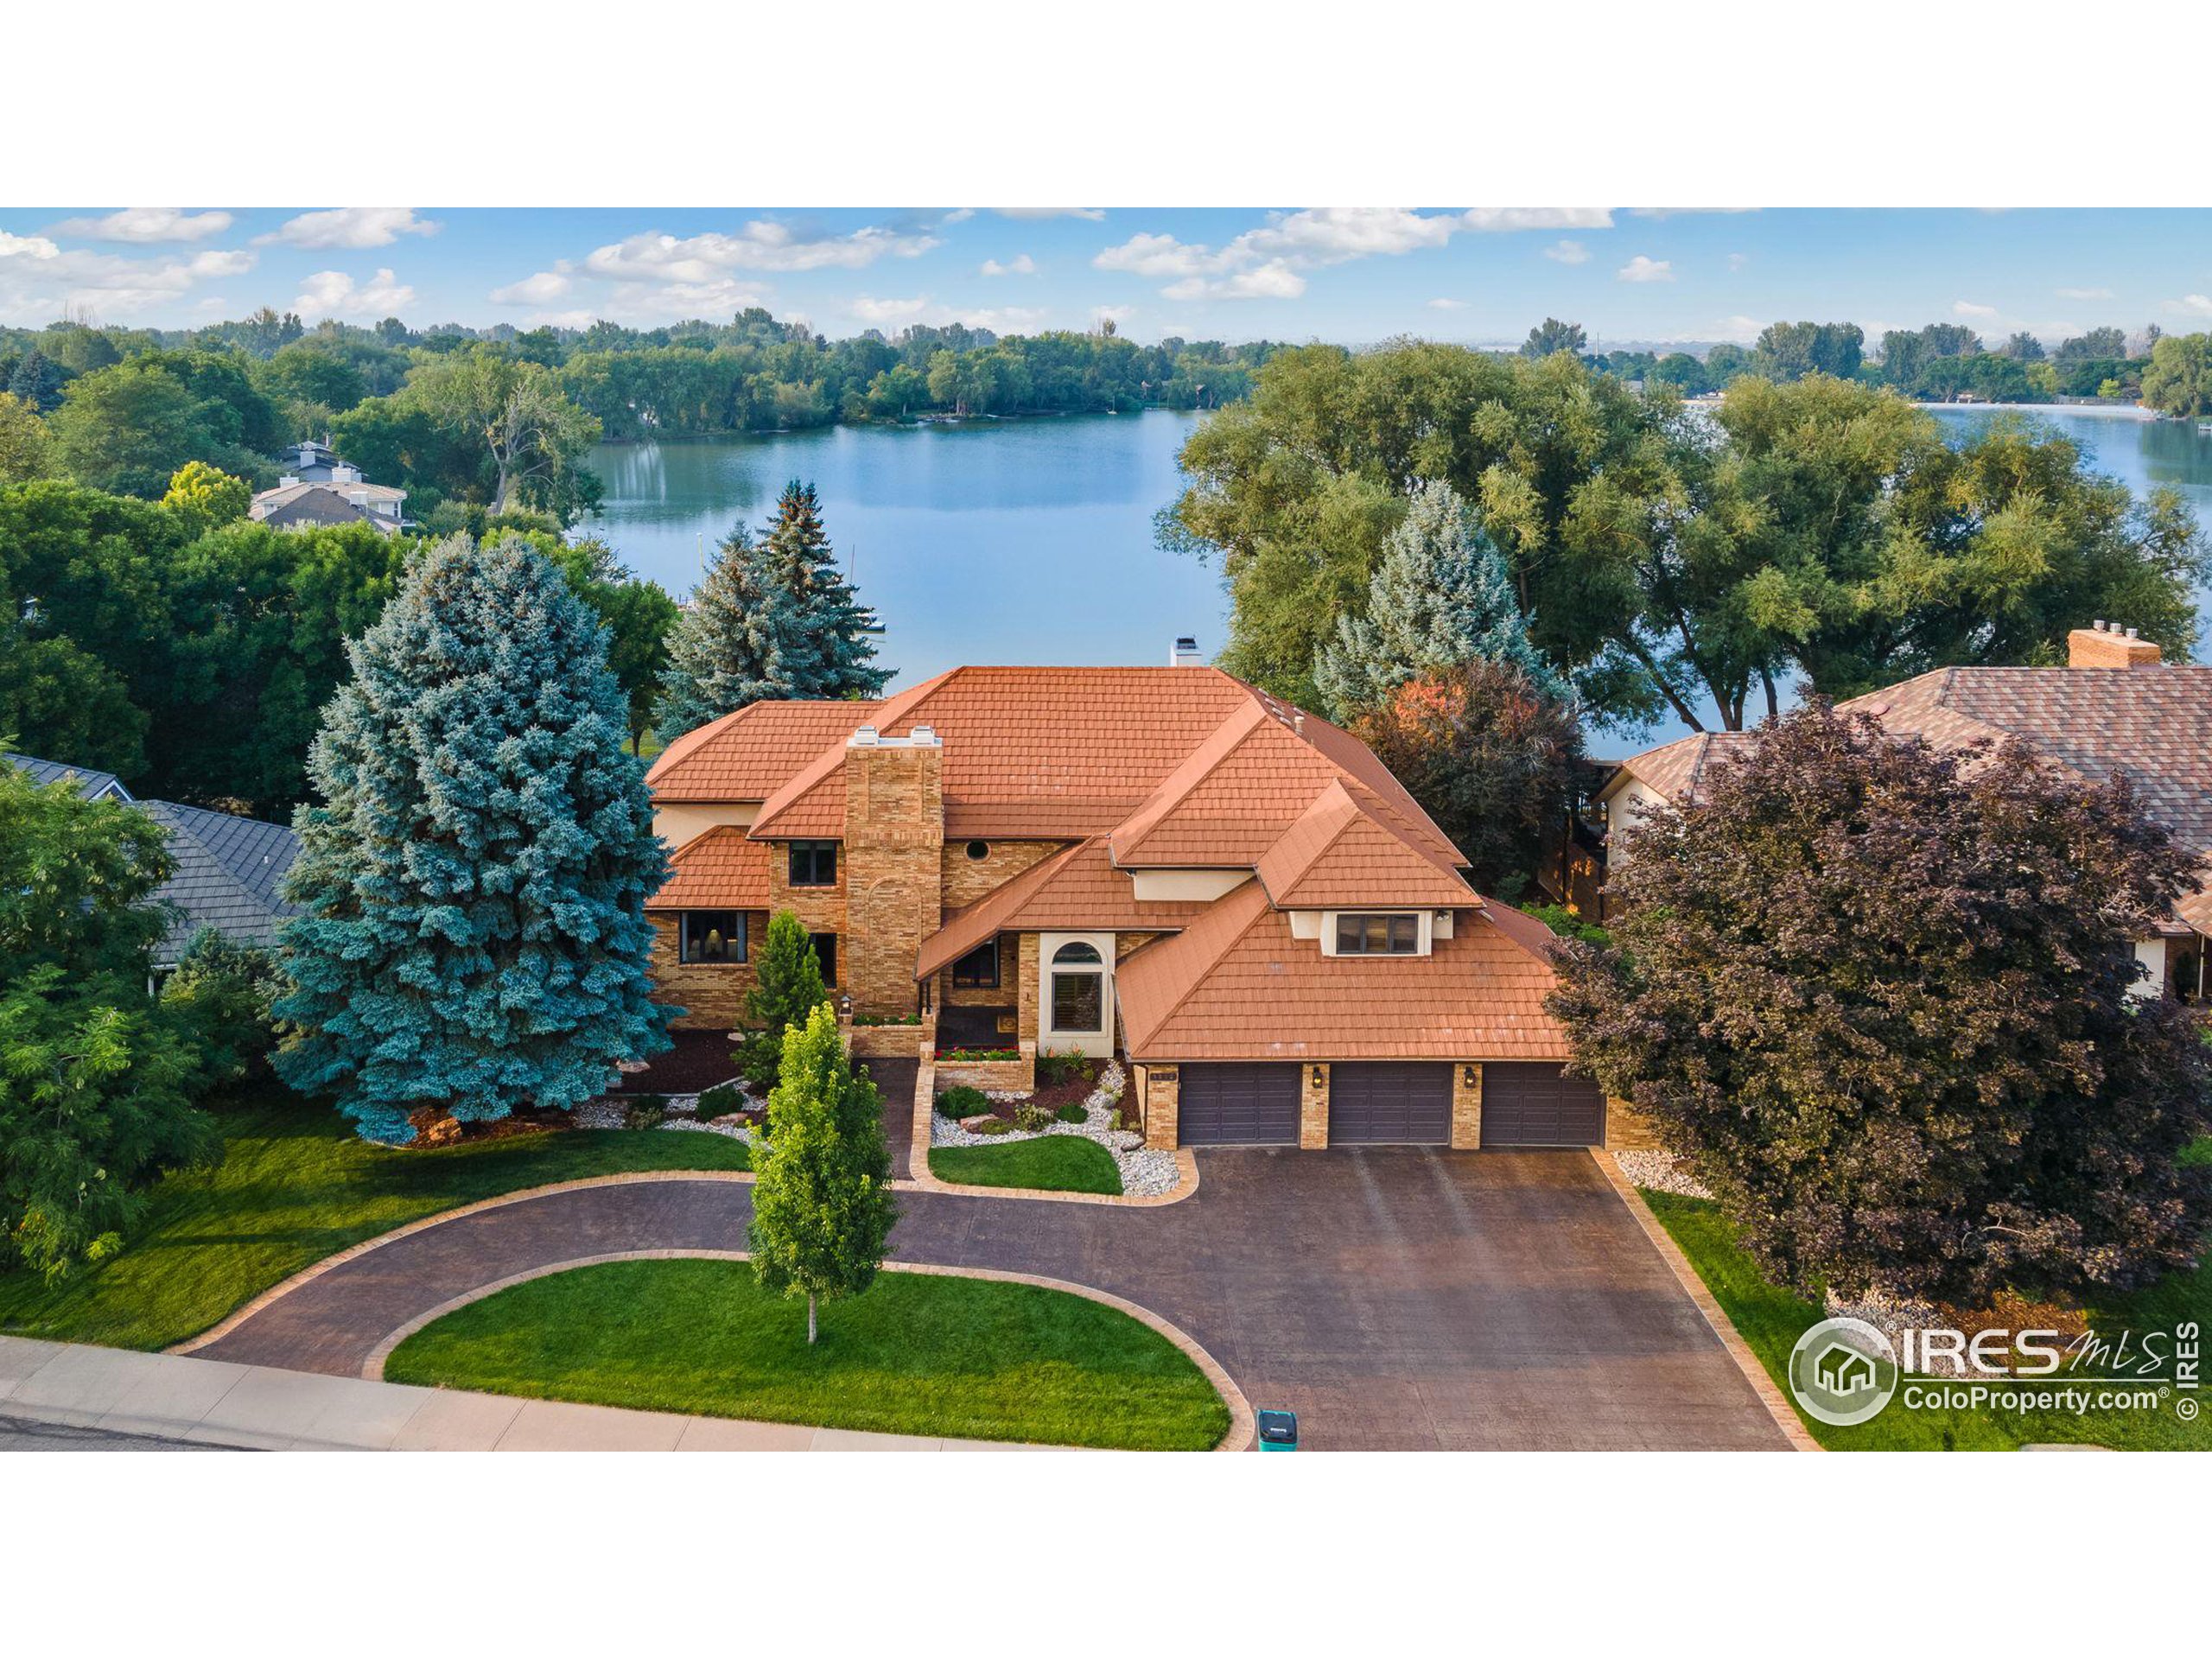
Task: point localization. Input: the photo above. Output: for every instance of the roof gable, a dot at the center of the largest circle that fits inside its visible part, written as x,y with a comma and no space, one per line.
1339,854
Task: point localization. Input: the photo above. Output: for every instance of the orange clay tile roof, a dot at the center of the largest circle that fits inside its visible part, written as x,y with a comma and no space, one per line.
748,755
1234,985
1338,853
716,869
1077,887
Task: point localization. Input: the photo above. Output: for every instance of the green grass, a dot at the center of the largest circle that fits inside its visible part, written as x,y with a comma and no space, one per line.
917,1354
296,1185
1057,1163
1772,1319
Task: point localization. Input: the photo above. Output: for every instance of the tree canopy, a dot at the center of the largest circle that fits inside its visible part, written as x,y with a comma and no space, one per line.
1880,998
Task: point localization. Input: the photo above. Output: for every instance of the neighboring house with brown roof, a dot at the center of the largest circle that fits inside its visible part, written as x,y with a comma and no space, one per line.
319,489
1163,864
2115,708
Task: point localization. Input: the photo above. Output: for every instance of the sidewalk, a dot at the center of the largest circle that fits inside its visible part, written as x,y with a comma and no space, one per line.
218,1403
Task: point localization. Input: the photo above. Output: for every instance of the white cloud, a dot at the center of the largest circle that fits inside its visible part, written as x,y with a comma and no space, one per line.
39,279
2194,305
958,216
148,225
351,227
1968,309
761,244
1021,265
892,314
1738,261
1093,213
542,289
1447,305
335,293
563,319
1741,329
1567,252
1116,315
1642,268
1274,281
2084,293
1264,263
1537,219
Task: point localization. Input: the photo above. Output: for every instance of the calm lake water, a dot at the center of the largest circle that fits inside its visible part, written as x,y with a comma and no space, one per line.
985,542
1031,541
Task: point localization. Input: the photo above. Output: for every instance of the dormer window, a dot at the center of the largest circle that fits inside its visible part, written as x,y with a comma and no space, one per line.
1365,935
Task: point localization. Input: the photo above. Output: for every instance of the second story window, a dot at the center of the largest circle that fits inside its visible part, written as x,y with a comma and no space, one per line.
813,863
1377,935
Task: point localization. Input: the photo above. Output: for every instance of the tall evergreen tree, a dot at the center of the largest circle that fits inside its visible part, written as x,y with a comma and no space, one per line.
476,873
787,987
38,380
821,1202
1441,598
726,649
825,651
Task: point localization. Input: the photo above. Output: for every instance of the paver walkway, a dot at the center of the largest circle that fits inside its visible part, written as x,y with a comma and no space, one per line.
168,1401
1394,1297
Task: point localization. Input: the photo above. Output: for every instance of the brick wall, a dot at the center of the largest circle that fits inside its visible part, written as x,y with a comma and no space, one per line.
1313,1107
965,879
1466,1105
712,996
820,910
1628,1130
891,869
1162,1092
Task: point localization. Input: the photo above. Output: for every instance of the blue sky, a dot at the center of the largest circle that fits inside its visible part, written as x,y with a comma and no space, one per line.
1351,275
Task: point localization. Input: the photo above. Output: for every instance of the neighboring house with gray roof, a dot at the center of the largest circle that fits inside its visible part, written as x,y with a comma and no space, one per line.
2115,708
318,488
226,867
226,876
92,785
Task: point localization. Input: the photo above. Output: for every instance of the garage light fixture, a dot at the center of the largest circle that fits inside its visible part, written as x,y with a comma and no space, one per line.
1320,1075
1470,1075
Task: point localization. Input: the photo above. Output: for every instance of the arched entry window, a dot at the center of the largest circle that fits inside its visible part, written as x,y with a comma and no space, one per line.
1079,988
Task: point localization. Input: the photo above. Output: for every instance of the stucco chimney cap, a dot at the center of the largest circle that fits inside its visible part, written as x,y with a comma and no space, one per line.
867,737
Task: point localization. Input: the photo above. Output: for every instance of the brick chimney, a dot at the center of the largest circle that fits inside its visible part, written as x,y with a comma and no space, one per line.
894,841
2107,645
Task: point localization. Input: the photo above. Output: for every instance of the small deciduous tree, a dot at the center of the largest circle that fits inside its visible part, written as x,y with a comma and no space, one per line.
821,1202
26,451
787,987
207,496
475,872
97,1082
1879,997
1489,756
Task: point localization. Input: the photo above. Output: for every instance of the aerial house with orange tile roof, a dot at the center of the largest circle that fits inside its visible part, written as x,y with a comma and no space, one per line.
1161,864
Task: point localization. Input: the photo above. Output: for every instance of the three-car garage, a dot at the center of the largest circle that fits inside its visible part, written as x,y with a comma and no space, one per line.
1387,1103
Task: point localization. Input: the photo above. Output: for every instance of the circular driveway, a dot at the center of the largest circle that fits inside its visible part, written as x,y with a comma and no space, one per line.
1395,1297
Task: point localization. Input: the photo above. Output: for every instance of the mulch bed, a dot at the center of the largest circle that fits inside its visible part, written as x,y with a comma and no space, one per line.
699,1060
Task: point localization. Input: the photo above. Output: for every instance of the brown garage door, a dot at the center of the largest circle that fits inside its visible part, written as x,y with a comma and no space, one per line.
1226,1105
1526,1105
1391,1103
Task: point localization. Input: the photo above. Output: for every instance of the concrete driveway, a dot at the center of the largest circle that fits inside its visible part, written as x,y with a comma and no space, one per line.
1394,1298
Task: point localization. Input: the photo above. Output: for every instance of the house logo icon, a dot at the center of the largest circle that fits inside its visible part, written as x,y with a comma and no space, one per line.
1843,1371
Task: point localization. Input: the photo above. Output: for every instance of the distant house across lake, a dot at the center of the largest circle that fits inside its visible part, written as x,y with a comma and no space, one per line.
319,488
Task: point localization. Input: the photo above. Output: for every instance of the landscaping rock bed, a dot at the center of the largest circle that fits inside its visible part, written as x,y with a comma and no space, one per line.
1144,1173
613,1111
1661,1171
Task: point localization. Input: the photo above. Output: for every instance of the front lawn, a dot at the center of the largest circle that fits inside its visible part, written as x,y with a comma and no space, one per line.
917,1354
1772,1319
294,1186
1059,1163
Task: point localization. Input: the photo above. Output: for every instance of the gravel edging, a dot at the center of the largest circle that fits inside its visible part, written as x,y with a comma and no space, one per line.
1145,1173
1661,1172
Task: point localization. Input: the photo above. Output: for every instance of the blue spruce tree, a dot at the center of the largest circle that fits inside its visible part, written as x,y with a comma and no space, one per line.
1441,597
475,873
727,648
824,651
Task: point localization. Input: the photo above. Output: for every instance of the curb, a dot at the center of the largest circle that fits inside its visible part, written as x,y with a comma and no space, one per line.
1785,1416
1241,1422
919,1179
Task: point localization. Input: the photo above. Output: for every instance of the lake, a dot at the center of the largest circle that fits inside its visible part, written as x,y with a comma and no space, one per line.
1031,541
977,542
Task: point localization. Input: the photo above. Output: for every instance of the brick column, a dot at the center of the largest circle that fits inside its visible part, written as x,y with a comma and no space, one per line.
1467,1105
1312,1108
1628,1130
1163,1087
894,843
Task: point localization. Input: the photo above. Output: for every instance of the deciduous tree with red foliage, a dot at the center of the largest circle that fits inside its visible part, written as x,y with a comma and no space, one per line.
1879,997
1489,756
